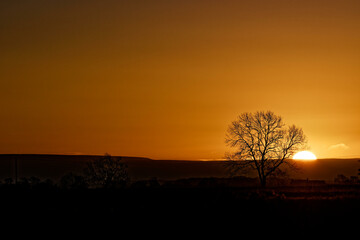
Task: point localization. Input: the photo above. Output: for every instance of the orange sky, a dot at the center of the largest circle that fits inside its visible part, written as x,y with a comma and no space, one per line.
163,79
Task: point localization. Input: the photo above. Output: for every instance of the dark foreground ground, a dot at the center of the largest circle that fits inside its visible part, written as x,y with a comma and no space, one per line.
176,198
246,210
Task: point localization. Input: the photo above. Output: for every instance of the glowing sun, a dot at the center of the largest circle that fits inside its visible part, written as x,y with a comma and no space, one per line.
304,155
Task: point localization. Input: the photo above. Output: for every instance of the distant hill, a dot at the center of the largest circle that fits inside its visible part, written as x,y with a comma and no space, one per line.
55,166
327,169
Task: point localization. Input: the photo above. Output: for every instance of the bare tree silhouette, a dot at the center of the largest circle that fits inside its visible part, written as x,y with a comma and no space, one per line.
106,172
263,143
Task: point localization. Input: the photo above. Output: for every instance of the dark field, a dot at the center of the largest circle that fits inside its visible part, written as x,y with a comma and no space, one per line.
180,196
242,208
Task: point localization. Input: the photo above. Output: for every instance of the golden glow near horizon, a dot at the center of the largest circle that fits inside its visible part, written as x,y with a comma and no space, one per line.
305,155
163,79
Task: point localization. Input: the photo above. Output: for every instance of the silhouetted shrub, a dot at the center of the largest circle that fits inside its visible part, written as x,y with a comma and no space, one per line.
151,183
72,181
107,172
34,180
8,181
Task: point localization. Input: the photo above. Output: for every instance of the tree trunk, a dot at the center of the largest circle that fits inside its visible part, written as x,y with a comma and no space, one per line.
263,181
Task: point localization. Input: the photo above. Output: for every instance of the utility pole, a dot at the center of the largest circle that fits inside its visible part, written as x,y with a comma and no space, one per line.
16,170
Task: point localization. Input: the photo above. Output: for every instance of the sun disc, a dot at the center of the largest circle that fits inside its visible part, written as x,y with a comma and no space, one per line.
304,155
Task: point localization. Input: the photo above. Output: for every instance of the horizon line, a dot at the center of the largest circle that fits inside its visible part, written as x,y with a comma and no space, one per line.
156,159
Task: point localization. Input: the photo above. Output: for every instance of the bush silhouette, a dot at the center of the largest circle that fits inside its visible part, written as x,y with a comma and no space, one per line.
106,172
72,181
